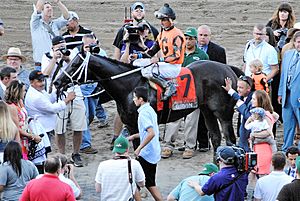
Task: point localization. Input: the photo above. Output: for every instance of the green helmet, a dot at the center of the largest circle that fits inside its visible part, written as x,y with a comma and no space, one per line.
165,12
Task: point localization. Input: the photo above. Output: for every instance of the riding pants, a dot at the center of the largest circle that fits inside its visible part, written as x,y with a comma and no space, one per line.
165,70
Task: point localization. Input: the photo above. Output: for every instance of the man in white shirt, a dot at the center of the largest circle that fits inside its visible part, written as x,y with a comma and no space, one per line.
53,64
112,178
268,187
258,48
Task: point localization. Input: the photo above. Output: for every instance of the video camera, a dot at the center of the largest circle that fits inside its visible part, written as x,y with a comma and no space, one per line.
64,51
244,161
133,31
94,48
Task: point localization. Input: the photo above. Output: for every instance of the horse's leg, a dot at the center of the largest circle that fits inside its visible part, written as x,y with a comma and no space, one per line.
212,126
228,132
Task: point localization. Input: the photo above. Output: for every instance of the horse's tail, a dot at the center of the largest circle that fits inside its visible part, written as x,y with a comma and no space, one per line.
237,71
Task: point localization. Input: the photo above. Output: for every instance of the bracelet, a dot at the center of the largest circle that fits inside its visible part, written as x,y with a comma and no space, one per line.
161,59
139,55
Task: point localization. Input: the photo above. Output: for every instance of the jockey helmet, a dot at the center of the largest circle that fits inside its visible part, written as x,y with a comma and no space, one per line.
165,12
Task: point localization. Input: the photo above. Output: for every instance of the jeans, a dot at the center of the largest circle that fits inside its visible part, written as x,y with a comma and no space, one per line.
100,113
90,106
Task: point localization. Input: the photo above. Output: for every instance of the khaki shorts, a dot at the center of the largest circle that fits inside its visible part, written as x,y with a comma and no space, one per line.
76,121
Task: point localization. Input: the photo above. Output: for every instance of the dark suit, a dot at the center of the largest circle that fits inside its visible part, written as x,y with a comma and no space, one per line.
215,53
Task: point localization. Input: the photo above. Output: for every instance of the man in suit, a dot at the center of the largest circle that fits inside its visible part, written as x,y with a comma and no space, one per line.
288,92
243,96
7,75
215,53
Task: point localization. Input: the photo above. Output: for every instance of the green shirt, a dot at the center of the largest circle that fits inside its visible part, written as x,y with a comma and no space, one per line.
197,55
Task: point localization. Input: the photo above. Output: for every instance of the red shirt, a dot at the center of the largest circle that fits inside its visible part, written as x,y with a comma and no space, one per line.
47,188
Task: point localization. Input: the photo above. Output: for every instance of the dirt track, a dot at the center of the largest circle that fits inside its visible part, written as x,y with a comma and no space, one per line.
231,23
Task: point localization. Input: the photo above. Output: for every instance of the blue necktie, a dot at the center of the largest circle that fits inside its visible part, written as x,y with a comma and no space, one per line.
293,173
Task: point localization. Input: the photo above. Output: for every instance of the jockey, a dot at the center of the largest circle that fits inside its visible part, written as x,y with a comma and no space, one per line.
171,42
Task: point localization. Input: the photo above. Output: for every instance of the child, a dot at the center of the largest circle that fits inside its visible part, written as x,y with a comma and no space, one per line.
258,123
148,152
259,78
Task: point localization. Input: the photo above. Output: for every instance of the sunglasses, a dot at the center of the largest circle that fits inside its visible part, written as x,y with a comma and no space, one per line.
246,79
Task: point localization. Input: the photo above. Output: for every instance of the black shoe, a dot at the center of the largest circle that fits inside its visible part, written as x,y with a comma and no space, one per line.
203,149
76,160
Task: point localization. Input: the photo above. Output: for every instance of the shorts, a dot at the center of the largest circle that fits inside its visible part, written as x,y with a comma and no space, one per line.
77,119
149,170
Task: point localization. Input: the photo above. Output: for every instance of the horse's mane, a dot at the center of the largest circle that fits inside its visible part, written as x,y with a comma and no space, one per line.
117,62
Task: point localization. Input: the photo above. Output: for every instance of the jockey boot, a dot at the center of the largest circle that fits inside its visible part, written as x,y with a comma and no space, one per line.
168,86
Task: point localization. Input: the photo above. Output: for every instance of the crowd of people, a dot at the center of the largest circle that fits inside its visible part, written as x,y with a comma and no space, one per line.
33,115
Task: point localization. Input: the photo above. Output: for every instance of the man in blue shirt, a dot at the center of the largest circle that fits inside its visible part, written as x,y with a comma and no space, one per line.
228,184
148,152
183,191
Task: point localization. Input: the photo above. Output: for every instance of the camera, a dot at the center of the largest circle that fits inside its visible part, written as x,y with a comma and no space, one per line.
282,37
64,51
133,31
244,161
94,48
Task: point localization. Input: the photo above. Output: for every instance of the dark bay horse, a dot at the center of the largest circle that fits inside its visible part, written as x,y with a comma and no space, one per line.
209,76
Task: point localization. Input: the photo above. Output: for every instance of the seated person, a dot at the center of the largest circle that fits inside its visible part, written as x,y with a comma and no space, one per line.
257,123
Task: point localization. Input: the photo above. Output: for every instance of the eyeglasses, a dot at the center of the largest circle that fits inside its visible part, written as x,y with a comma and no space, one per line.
246,79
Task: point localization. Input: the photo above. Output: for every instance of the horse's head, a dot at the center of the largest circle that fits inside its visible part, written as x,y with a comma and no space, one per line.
73,74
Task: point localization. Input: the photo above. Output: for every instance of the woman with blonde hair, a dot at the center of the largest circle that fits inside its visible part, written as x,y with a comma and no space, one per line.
14,95
8,129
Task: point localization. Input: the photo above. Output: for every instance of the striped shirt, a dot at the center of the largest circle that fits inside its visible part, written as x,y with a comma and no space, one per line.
73,41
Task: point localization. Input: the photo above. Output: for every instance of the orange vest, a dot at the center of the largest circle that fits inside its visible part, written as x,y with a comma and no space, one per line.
172,45
260,82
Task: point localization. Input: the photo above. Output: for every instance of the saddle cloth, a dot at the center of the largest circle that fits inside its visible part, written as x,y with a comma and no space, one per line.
185,96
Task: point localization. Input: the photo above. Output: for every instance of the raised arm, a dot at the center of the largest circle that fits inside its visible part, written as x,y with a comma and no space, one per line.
62,8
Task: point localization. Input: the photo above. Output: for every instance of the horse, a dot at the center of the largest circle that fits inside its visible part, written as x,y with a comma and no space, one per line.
120,79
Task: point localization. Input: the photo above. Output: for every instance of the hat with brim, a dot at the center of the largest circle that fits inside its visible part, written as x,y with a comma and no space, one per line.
137,5
208,169
121,144
14,52
73,16
293,30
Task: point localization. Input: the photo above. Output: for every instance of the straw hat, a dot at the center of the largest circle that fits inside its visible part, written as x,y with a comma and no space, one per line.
14,52
293,30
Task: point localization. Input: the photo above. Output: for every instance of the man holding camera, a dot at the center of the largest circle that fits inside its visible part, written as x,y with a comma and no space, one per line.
138,15
258,48
53,64
228,184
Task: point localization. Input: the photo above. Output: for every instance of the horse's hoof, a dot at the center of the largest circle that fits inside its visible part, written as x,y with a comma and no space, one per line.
166,153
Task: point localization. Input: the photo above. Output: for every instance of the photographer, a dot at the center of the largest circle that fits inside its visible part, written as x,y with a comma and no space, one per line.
228,184
53,64
67,175
137,38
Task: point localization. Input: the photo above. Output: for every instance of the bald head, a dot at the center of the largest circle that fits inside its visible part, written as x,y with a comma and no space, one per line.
52,165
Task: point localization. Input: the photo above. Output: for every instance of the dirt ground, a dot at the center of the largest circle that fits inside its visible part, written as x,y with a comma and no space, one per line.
231,23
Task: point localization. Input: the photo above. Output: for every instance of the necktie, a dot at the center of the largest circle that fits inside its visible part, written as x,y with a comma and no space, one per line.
293,173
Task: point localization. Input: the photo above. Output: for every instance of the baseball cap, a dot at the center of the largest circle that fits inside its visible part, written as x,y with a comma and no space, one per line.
226,154
121,144
57,40
137,4
298,164
36,75
209,168
192,32
73,16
